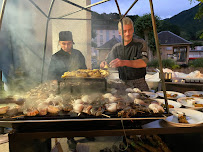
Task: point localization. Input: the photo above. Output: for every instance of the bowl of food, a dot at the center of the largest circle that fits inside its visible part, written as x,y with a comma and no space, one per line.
153,84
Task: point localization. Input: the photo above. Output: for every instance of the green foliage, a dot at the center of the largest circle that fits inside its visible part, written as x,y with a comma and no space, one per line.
143,28
196,62
196,43
93,44
199,14
167,63
144,23
167,26
153,63
189,26
175,66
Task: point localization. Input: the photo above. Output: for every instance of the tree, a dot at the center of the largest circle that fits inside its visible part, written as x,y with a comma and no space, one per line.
167,26
199,14
143,28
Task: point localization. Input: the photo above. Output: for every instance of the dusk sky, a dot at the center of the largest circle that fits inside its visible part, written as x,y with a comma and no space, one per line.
162,8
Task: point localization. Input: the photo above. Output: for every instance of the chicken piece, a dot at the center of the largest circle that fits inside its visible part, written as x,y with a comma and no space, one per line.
86,109
133,96
3,110
182,119
121,105
32,112
112,107
127,112
107,95
129,90
140,102
78,108
156,108
68,107
97,111
12,112
53,109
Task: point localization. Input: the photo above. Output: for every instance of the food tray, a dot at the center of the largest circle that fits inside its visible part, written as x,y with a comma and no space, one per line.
62,123
82,85
194,81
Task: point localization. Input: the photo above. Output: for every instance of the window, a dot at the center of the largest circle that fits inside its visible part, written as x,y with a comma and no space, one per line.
181,53
169,48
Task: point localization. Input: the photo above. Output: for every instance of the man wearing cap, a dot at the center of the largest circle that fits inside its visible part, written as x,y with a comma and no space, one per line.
66,59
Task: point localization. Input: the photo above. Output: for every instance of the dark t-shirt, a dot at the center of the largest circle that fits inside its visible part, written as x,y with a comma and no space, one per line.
62,62
132,51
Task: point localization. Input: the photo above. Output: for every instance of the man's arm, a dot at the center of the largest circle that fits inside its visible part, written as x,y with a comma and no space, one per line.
82,62
139,63
110,56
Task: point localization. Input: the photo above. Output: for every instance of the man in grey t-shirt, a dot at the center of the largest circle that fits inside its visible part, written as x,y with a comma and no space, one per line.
128,58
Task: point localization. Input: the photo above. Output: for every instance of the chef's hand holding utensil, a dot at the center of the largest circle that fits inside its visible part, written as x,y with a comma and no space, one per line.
116,63
104,65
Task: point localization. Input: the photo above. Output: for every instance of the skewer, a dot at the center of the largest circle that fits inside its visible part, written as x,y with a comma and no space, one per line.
18,116
79,114
106,115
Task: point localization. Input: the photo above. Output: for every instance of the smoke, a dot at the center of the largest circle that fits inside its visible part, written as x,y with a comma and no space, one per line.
22,44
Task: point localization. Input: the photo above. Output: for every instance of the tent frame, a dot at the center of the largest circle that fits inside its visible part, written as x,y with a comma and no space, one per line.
86,8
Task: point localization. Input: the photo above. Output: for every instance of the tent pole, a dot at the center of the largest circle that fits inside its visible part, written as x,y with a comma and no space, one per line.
158,54
129,9
38,8
84,8
2,12
45,40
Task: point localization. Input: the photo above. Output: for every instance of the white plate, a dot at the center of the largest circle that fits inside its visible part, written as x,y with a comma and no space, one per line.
188,102
193,93
195,118
150,94
170,102
179,95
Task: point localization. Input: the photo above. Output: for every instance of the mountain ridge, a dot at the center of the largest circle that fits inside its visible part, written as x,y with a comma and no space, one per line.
190,27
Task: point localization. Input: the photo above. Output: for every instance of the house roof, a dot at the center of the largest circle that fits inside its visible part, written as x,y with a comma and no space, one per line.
167,37
109,44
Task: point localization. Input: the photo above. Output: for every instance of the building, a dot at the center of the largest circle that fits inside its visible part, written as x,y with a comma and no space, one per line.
105,33
195,54
174,46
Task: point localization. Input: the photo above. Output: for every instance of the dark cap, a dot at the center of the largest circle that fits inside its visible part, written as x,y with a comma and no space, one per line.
65,36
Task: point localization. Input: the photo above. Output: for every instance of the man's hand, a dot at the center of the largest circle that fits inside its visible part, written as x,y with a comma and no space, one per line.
116,63
55,82
102,64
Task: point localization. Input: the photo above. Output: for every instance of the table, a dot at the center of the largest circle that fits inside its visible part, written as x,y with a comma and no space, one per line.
19,135
182,87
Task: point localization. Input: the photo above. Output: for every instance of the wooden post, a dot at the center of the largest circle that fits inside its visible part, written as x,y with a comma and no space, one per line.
158,54
2,12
